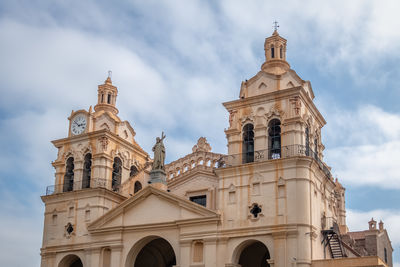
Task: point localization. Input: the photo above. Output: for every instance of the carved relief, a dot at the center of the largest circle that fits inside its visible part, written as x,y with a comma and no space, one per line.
86,149
202,145
274,112
68,154
248,119
60,153
260,118
232,115
103,142
296,105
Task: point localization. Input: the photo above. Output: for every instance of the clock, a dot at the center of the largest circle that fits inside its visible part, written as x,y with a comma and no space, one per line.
78,124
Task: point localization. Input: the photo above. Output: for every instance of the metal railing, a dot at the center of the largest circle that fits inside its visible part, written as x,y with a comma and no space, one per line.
268,154
79,185
329,223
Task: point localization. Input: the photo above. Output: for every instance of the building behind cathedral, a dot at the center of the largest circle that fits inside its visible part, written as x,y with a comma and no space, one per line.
270,201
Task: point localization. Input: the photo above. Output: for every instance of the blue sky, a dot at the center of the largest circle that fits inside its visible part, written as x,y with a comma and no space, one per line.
174,63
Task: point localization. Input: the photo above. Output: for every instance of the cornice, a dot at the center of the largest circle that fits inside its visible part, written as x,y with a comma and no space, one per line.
278,95
96,134
87,245
258,99
81,194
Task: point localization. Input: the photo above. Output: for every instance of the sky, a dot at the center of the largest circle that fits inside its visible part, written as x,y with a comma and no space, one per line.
174,63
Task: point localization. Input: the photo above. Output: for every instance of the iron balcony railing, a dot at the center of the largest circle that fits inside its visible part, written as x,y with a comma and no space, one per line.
272,154
79,185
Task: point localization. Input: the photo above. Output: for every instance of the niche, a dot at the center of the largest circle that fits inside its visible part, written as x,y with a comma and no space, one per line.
198,251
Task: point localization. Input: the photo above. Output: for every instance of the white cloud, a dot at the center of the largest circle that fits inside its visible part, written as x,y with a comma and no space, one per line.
345,37
174,64
365,146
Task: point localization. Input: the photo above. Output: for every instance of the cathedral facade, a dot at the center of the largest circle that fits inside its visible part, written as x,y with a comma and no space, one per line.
270,201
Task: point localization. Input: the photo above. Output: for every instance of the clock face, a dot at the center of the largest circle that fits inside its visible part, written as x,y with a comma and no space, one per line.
78,124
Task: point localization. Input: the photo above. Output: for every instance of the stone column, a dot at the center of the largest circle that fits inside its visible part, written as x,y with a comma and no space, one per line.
101,171
234,142
78,172
261,139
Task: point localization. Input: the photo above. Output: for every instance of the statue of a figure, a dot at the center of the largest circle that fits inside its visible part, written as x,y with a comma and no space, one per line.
159,153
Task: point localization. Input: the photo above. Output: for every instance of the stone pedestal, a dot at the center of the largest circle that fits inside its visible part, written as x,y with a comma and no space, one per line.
158,176
158,179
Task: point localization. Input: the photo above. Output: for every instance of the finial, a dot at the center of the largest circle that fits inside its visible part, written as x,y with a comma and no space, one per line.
275,25
108,80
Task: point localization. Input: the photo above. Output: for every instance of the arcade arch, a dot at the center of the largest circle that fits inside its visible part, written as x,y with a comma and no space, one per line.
70,261
151,251
251,253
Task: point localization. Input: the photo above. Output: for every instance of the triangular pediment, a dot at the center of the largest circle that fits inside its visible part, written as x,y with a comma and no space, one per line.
152,206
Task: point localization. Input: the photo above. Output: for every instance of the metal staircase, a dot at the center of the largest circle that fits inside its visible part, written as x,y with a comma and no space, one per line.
332,239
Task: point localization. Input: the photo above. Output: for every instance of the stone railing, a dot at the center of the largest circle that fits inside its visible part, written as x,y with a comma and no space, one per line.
79,185
203,159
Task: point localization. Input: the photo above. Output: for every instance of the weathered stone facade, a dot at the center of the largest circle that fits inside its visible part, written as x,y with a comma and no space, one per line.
271,201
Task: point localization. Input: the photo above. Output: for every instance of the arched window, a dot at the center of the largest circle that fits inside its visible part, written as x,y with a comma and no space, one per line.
102,98
138,187
69,175
316,147
116,174
274,139
281,52
87,170
307,141
248,143
133,171
109,99
272,52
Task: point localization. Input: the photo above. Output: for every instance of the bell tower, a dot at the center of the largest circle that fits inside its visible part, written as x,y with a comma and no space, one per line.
275,110
95,170
275,55
107,96
275,157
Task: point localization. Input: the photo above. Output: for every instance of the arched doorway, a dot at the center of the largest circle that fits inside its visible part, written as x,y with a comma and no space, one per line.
156,253
137,187
71,261
254,254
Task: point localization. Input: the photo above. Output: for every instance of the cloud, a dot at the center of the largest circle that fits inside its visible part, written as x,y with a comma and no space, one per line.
336,37
173,65
21,223
364,145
